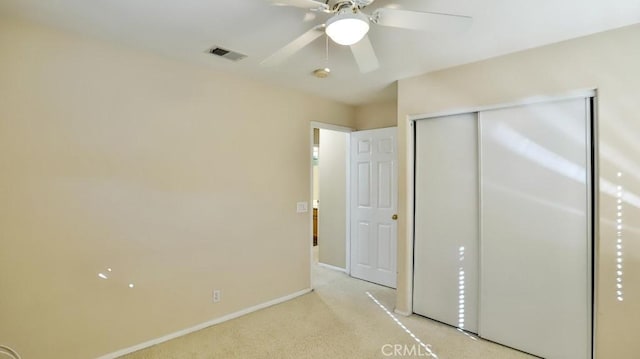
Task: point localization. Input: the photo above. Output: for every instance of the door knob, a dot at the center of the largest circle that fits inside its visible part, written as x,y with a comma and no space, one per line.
394,217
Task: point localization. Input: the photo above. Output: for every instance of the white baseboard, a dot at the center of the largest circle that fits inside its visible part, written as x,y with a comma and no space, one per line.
403,313
201,326
329,266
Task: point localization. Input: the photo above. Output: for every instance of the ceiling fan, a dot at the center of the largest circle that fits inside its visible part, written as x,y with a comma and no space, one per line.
349,26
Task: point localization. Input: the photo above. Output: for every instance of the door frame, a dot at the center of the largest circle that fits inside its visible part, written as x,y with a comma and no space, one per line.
347,130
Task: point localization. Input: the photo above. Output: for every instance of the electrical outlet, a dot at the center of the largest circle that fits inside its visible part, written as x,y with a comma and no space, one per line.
217,295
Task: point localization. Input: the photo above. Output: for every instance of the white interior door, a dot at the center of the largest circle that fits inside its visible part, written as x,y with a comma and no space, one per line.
374,203
445,285
535,275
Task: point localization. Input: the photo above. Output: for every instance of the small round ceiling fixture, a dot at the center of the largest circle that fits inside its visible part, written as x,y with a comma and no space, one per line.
322,73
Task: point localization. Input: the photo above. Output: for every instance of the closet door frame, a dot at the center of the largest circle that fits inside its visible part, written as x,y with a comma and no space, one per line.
592,186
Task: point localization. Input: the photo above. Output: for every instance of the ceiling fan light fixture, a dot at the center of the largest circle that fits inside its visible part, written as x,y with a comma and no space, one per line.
347,27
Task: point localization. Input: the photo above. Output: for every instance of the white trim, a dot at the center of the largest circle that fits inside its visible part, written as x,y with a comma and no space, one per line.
480,218
328,126
595,234
403,313
204,325
347,235
410,199
588,200
591,92
329,266
310,215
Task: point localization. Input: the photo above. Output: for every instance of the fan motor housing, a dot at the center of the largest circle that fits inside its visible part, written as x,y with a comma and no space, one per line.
336,5
362,3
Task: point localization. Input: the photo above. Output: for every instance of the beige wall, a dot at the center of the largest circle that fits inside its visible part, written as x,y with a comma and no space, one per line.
332,209
376,115
179,178
606,61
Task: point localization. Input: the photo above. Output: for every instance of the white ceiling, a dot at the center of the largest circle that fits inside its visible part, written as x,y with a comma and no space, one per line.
186,29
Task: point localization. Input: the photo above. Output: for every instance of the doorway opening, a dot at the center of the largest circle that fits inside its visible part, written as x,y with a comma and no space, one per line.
330,189
355,191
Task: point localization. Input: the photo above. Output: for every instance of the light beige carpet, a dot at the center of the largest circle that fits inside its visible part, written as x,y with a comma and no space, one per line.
337,320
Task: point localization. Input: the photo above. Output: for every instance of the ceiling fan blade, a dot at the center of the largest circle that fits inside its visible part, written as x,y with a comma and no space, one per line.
305,4
423,21
365,55
293,47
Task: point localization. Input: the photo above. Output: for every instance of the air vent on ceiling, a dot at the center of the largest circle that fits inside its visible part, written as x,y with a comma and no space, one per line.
227,54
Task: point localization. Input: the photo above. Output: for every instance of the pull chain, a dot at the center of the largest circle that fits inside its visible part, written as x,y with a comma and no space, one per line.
326,38
324,72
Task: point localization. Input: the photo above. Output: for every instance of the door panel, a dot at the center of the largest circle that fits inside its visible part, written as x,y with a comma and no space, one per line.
446,220
385,184
364,185
535,272
374,190
364,237
384,247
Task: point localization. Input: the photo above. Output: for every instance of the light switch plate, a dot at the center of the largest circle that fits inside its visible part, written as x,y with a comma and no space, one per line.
302,207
